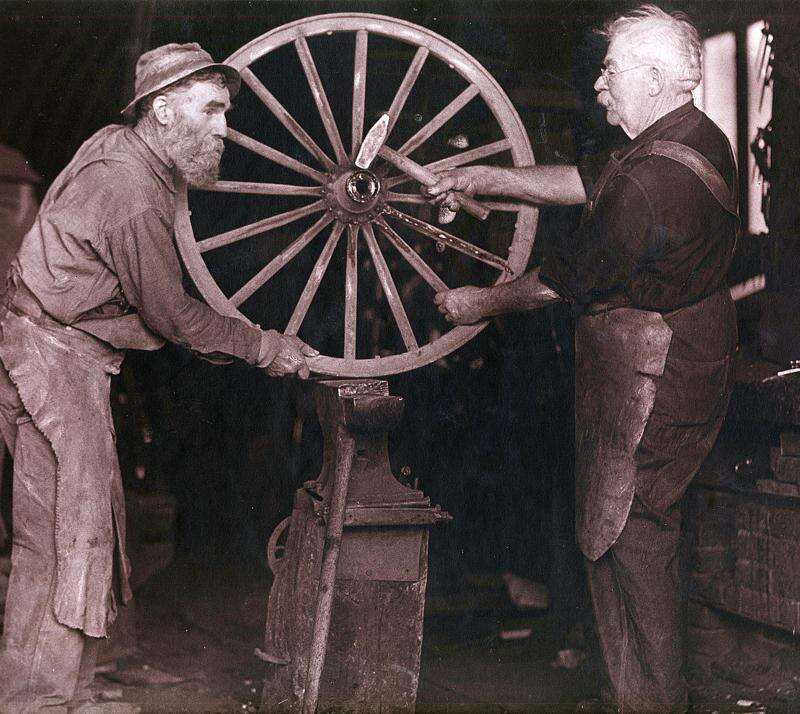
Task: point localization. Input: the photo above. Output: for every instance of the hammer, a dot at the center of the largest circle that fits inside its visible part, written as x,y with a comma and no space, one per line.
373,145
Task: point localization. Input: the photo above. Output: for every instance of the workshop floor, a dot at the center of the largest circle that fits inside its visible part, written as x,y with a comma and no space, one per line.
198,629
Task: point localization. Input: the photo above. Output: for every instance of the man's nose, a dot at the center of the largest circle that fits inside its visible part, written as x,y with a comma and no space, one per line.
600,84
220,127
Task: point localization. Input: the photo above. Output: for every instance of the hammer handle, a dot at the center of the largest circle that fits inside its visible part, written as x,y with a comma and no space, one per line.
421,174
327,577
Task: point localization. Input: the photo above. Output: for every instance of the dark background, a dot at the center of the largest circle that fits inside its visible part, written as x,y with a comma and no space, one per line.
488,431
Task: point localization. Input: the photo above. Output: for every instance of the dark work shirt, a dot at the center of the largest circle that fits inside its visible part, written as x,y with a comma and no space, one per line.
654,238
101,257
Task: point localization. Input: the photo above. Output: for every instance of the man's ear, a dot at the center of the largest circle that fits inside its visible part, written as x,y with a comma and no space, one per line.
657,81
162,110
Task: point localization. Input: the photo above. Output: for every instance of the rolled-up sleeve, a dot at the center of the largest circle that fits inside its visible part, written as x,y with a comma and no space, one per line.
146,262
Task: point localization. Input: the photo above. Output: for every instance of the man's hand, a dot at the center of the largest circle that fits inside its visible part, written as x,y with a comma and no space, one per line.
466,180
462,306
291,358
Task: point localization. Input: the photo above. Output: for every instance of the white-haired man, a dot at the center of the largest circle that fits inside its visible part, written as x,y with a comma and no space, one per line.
96,274
655,333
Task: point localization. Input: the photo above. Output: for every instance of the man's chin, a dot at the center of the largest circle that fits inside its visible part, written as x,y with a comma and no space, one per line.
612,117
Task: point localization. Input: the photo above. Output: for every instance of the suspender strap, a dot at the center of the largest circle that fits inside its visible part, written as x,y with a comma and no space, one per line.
700,166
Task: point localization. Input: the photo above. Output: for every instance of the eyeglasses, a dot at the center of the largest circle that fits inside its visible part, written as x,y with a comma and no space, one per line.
607,73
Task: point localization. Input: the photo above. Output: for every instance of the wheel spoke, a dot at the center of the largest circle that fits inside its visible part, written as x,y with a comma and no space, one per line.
416,262
416,198
451,162
261,226
390,290
279,261
288,121
393,197
406,86
448,239
359,90
320,98
310,290
274,155
263,189
439,120
466,157
351,292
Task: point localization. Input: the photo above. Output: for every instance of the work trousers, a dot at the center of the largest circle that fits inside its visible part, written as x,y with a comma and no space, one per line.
638,608
44,665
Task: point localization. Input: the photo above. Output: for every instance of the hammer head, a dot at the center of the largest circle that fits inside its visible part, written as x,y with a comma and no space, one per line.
373,142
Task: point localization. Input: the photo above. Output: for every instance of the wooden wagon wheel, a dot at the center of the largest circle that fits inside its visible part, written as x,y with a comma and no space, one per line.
354,208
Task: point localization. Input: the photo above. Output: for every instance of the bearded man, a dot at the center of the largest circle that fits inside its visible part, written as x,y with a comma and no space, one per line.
655,334
96,274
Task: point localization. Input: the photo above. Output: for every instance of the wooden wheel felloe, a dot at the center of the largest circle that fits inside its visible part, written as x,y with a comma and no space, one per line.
346,213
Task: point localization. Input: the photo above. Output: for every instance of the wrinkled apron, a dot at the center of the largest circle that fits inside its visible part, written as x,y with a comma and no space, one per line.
619,354
63,380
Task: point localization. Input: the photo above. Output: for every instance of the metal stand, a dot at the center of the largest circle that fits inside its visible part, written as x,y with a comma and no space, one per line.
344,620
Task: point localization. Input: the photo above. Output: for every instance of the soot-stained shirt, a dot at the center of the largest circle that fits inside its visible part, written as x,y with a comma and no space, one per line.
654,238
100,256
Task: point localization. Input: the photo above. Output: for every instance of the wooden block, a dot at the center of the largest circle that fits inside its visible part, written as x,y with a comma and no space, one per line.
374,645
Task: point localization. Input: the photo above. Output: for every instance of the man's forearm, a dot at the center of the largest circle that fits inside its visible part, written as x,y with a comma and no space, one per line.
524,294
554,185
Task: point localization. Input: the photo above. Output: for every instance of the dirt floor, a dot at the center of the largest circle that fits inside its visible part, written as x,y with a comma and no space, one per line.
198,629
202,627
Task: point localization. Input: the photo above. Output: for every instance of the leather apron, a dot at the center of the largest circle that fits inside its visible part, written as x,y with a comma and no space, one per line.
62,376
619,354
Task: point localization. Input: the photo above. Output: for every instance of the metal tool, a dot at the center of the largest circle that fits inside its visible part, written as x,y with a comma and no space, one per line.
373,145
330,559
442,237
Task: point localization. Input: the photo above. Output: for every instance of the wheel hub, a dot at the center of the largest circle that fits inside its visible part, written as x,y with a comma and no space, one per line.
362,186
355,196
